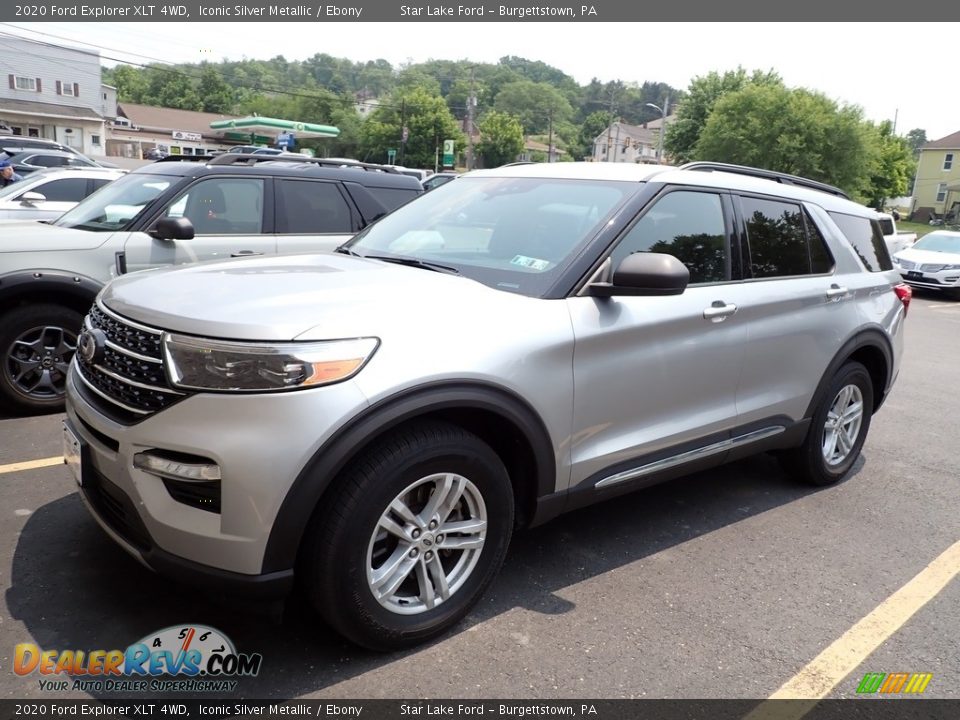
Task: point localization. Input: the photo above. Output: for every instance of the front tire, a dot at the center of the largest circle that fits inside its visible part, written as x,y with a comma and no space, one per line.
412,536
838,429
37,343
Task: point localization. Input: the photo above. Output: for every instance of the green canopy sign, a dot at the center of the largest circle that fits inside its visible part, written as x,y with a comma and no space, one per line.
257,124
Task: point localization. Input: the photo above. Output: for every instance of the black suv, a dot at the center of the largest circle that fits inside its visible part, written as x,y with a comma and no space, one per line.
167,213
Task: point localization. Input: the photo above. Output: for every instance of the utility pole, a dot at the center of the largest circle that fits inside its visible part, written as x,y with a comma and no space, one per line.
610,124
550,144
471,104
403,129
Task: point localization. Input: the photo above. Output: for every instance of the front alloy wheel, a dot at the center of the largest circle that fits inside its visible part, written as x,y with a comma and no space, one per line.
410,536
37,345
427,543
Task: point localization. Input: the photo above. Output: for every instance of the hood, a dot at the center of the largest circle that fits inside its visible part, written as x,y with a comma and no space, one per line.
929,257
304,297
25,235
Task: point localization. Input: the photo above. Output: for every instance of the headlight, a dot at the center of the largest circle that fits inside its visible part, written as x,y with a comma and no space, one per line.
951,267
202,364
896,260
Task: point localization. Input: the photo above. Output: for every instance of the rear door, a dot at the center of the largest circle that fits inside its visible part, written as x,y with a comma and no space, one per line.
312,215
800,310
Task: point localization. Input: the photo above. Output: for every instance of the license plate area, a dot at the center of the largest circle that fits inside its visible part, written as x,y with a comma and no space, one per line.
73,453
914,275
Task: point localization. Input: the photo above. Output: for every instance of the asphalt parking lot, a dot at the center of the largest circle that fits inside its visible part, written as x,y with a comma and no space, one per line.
735,583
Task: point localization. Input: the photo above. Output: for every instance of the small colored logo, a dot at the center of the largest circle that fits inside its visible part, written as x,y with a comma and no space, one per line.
204,656
893,683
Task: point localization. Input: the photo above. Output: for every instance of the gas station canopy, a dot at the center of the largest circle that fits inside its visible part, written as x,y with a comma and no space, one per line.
263,125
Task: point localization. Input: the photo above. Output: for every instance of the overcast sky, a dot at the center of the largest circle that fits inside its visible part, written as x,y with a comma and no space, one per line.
877,66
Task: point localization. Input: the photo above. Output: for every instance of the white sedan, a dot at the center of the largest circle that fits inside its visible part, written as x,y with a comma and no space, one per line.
933,262
47,194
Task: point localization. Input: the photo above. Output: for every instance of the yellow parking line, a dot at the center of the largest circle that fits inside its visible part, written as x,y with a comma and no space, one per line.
31,465
844,655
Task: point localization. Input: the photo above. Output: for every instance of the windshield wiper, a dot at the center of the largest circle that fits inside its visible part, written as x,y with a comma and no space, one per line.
344,250
414,262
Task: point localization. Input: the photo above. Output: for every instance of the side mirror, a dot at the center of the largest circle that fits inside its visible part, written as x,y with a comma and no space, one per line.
170,228
29,198
643,273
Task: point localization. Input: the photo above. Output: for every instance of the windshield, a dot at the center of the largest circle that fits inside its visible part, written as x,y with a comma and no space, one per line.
117,204
939,242
514,234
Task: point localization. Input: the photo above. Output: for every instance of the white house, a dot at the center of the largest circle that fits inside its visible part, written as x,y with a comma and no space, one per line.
622,142
54,92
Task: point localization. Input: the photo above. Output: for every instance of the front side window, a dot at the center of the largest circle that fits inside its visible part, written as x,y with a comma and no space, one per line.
687,225
222,206
777,239
948,161
64,190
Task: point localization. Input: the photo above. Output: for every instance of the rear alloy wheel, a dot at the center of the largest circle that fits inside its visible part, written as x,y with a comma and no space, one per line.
838,429
411,538
36,346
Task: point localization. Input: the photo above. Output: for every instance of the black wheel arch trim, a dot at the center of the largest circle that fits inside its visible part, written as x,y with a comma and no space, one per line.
332,457
870,337
24,282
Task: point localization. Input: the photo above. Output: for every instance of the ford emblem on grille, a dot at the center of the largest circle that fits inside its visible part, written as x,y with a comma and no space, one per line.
92,344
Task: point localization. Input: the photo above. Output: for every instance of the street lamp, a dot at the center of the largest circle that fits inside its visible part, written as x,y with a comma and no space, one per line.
663,126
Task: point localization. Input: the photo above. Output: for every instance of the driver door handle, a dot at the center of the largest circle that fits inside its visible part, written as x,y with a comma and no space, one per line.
719,311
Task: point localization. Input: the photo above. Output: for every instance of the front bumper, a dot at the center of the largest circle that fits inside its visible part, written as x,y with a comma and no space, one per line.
260,442
943,280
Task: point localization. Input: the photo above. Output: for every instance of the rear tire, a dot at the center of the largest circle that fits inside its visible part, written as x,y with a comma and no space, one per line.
37,343
837,431
413,534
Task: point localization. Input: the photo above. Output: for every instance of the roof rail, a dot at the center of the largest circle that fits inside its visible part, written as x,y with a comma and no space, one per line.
779,177
254,158
188,158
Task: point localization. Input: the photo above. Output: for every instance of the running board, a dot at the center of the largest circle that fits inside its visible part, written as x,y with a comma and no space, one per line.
690,456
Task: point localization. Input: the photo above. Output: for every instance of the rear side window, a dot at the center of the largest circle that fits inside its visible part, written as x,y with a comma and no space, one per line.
867,241
782,241
305,206
392,198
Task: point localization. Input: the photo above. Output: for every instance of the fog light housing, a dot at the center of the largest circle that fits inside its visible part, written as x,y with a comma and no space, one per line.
188,468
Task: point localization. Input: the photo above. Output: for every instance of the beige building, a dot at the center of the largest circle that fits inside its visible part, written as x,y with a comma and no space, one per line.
622,142
936,189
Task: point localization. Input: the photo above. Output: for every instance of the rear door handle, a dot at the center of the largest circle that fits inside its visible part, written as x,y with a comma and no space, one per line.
245,253
719,311
836,292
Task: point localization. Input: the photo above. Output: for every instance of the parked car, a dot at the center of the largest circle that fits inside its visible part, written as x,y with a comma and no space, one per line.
371,426
47,194
173,211
13,144
932,262
29,161
438,179
895,239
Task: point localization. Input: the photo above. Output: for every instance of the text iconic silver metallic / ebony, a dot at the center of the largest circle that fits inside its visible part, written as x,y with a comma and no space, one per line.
509,346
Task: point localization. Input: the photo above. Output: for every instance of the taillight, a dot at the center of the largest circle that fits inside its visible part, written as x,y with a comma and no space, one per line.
904,294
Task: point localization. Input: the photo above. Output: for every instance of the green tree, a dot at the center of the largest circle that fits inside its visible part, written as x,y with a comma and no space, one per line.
692,114
129,81
594,124
501,138
427,119
793,131
537,105
172,88
215,94
916,139
893,166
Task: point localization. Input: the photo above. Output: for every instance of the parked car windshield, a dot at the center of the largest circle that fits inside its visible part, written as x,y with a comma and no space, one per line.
938,242
514,234
116,205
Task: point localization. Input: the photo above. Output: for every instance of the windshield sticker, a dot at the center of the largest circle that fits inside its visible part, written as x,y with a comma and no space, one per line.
529,262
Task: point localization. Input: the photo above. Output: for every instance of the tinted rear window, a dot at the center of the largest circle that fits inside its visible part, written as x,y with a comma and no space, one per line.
392,198
867,240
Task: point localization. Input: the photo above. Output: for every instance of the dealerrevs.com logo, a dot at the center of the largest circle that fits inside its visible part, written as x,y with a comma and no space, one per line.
182,658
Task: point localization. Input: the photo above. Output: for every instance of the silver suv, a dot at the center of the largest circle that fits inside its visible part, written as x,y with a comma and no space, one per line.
510,346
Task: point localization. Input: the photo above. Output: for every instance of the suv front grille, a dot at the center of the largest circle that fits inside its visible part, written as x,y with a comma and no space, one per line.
128,383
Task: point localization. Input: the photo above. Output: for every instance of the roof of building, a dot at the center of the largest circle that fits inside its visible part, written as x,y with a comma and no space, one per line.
160,118
618,132
50,109
950,142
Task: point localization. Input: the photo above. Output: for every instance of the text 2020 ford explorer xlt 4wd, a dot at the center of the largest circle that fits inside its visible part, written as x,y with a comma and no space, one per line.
512,345
166,213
